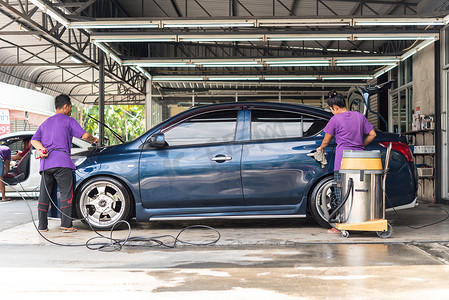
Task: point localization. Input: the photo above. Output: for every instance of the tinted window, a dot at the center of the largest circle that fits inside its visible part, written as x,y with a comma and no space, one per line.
216,127
270,124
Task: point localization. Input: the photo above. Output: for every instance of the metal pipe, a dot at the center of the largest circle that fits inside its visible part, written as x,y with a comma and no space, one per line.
101,96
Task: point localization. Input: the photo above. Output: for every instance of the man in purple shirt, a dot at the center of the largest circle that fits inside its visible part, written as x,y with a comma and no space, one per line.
5,155
53,140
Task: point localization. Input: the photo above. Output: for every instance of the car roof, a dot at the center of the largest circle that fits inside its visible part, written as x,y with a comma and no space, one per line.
17,134
308,109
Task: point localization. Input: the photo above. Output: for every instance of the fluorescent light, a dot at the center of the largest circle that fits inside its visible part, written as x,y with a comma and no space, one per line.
366,62
398,23
342,77
219,39
233,66
290,77
388,37
173,78
304,22
224,62
115,58
384,70
305,61
114,24
408,54
226,78
165,64
424,45
76,59
306,37
209,25
49,11
323,64
144,72
125,39
102,47
298,63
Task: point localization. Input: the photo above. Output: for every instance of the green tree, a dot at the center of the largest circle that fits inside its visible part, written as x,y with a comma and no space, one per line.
126,120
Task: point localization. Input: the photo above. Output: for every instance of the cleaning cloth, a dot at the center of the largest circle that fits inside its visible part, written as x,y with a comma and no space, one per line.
321,157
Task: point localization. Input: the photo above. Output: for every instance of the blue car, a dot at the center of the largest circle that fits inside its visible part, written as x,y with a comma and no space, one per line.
234,160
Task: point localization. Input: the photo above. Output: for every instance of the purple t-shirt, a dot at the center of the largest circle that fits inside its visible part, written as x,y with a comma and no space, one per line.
57,133
348,129
5,153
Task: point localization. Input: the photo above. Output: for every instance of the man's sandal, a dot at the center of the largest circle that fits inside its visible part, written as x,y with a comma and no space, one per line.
43,230
69,230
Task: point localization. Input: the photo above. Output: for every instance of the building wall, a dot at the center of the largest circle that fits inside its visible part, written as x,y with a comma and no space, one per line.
424,98
424,80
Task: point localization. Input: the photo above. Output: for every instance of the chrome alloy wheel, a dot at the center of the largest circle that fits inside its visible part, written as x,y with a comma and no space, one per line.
103,202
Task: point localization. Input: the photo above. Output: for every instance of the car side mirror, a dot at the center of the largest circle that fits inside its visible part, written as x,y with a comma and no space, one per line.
157,140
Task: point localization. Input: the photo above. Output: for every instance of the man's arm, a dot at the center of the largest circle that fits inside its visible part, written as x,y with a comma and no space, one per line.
326,140
371,135
90,138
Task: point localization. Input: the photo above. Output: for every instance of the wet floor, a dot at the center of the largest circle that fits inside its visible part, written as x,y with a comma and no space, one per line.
267,259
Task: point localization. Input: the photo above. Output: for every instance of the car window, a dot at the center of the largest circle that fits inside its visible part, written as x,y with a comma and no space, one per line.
215,127
272,124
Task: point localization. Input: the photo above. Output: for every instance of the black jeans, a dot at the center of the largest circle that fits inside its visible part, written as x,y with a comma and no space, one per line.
64,178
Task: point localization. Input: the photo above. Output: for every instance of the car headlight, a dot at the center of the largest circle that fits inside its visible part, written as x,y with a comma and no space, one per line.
78,160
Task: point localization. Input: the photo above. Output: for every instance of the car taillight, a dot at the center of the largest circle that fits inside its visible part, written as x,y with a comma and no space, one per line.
401,147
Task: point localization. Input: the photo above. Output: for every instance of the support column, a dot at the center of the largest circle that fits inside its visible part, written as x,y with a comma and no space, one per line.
101,96
148,104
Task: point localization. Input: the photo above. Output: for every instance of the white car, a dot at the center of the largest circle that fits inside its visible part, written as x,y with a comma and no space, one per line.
27,184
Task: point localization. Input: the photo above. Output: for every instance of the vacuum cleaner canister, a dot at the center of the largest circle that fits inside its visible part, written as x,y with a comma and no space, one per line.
365,170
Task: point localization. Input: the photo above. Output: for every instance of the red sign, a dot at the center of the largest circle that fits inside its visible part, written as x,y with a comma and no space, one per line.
5,124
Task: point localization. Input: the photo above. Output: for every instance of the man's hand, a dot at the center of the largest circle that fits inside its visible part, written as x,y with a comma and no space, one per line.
43,152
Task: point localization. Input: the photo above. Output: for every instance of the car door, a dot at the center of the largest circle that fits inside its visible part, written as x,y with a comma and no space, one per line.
275,167
198,168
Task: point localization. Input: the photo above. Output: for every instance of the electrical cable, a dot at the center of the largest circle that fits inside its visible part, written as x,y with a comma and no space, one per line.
114,244
417,227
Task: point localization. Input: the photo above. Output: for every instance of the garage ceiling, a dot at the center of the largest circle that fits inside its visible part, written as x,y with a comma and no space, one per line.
223,49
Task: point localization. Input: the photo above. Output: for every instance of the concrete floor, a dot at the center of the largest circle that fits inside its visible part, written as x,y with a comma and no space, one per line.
270,259
409,226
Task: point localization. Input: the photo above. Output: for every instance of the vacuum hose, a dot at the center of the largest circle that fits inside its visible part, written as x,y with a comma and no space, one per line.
350,185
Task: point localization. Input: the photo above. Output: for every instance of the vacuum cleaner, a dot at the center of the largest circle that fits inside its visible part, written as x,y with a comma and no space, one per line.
363,186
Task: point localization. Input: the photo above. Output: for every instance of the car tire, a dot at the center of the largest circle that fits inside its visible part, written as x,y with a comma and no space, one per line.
102,202
322,201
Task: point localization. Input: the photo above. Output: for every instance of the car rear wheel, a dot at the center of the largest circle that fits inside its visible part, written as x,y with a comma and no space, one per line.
102,202
322,201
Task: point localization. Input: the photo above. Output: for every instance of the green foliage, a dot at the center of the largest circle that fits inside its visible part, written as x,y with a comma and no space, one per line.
126,120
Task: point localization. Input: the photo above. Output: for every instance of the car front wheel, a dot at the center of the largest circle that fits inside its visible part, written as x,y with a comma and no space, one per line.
102,202
322,201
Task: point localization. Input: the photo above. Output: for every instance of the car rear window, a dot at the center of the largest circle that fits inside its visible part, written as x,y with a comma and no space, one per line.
272,124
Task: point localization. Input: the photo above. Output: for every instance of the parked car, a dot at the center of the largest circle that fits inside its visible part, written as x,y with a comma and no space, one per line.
237,160
28,183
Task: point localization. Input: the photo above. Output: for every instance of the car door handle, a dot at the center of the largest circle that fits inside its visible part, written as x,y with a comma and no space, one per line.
221,158
312,153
